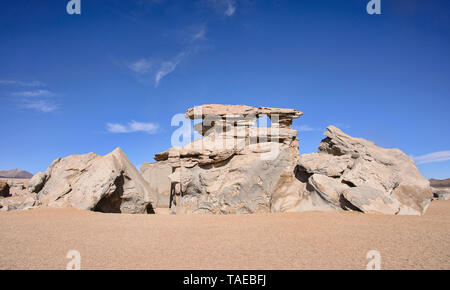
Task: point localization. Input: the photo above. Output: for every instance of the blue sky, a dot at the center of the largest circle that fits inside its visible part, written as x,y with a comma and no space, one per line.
116,74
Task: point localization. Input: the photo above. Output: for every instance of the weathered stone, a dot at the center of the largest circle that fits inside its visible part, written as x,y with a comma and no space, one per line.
201,112
37,182
235,167
325,164
442,195
17,187
17,183
329,188
223,118
157,176
227,171
19,202
107,183
371,200
4,188
243,184
388,171
440,192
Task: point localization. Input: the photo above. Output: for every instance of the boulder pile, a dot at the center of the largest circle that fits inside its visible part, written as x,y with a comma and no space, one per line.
237,166
15,196
440,188
353,173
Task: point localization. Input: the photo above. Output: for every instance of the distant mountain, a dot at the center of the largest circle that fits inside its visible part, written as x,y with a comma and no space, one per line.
440,183
15,173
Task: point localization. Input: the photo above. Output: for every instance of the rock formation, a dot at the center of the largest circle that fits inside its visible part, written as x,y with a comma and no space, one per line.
440,188
19,202
235,167
441,193
107,183
17,197
239,168
353,173
157,176
4,188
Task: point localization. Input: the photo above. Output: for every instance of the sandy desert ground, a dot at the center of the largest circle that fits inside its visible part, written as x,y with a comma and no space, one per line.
41,238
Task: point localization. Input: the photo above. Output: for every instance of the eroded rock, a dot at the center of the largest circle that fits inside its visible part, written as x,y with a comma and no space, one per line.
235,167
107,183
227,171
380,180
4,188
157,176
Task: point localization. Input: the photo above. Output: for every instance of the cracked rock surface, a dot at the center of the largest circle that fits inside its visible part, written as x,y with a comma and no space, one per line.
226,171
107,183
368,177
235,167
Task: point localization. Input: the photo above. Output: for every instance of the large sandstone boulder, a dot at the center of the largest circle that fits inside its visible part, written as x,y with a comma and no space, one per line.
364,177
157,176
107,183
37,182
235,167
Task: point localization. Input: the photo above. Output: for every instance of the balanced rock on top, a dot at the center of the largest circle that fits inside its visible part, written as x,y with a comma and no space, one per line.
236,167
239,168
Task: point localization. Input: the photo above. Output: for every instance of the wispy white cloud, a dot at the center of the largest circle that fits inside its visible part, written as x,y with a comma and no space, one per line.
231,7
43,106
200,34
131,127
33,99
156,69
141,66
34,93
22,83
432,157
227,7
167,67
116,128
307,128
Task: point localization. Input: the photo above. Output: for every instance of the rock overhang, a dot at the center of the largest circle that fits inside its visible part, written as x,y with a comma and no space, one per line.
201,112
